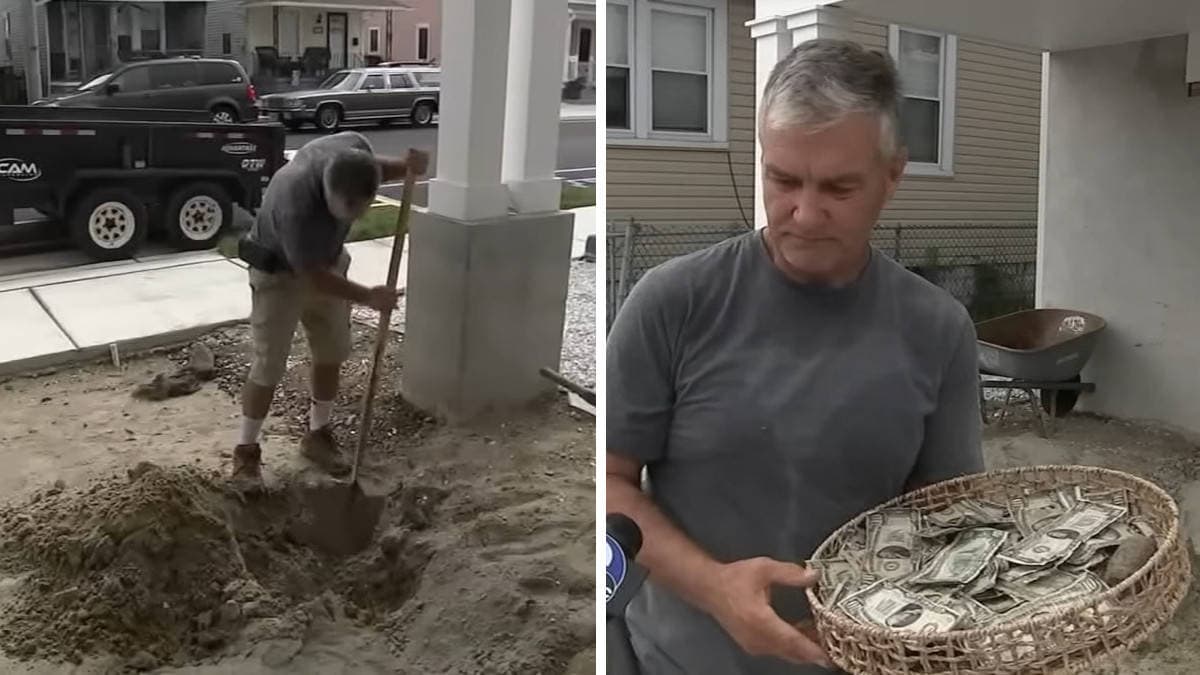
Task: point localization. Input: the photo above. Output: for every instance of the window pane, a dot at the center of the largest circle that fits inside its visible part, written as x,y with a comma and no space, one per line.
617,110
429,79
173,75
399,81
373,82
680,102
618,34
920,64
919,126
679,41
218,73
422,44
134,79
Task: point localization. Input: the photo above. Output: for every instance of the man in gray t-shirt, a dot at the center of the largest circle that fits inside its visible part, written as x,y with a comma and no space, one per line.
778,384
298,276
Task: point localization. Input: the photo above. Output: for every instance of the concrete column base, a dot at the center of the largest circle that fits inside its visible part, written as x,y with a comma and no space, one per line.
485,308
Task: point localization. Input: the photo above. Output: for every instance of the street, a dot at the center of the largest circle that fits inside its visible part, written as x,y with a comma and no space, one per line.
576,162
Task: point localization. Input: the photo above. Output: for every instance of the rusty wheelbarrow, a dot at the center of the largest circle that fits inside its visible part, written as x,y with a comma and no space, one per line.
1043,349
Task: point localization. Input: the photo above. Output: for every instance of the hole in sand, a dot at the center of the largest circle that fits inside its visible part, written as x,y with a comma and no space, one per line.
168,566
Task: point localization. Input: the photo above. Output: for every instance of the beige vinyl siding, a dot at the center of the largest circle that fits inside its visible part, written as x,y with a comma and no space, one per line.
686,186
995,140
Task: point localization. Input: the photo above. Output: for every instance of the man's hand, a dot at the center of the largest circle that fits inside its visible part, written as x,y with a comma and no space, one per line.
743,608
417,161
382,298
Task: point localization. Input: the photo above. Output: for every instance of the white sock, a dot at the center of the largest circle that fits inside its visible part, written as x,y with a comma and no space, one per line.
250,431
319,413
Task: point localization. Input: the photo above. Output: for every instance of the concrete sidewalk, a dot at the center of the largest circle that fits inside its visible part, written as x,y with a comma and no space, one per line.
56,317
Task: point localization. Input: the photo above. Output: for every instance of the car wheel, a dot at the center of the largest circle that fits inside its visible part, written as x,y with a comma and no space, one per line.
329,117
109,223
422,115
224,114
197,214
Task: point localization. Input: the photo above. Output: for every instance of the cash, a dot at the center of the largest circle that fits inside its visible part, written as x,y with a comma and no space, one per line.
1057,539
888,605
964,558
892,542
975,563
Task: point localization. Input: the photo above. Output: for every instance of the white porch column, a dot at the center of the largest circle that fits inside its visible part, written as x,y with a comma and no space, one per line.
135,29
772,42
471,130
775,34
566,69
820,21
534,105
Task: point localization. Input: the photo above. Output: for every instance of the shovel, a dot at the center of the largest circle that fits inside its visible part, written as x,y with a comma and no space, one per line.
340,517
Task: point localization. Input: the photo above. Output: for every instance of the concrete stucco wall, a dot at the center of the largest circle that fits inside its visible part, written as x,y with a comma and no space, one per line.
1119,233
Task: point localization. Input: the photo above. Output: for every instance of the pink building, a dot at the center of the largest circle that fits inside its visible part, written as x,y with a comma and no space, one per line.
413,35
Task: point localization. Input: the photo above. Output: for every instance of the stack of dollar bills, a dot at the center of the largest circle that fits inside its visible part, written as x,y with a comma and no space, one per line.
976,563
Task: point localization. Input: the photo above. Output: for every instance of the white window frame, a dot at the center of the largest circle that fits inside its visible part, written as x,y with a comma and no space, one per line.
947,87
417,42
374,30
641,103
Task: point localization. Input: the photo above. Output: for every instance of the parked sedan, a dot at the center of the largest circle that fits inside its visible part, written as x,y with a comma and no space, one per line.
360,94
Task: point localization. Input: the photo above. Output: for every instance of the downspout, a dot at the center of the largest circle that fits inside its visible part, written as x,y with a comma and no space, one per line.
1193,64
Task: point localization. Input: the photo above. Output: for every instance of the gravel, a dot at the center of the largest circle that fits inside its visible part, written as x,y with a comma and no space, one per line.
579,334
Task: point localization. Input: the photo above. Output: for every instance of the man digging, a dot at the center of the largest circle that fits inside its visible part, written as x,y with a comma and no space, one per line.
297,271
780,383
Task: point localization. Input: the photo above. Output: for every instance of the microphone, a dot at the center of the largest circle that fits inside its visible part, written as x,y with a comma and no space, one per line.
623,578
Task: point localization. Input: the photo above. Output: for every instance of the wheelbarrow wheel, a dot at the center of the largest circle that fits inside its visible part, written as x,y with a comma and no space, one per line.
1060,402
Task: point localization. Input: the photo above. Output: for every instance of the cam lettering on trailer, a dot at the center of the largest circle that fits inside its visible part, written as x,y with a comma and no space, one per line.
253,164
239,148
19,169
615,567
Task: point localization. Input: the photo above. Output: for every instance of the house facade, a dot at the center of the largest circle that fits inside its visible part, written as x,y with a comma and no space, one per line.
683,154
414,35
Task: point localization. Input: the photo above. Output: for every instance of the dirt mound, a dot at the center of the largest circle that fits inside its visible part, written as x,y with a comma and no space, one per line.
115,567
165,565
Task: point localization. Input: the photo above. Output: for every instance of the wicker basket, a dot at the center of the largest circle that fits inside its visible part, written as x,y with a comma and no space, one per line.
1082,636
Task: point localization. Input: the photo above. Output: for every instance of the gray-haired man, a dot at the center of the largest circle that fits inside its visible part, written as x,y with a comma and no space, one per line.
779,383
298,276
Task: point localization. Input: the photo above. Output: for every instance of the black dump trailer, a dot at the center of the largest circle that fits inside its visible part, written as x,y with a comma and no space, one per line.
110,177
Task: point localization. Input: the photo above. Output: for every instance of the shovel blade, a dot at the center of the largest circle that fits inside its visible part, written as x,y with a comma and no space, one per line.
335,517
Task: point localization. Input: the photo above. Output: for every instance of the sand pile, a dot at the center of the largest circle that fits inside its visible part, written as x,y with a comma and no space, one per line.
123,566
165,566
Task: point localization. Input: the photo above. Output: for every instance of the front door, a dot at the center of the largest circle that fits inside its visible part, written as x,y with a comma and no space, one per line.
336,27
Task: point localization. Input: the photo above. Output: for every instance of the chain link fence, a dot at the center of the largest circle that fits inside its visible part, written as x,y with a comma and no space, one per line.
990,268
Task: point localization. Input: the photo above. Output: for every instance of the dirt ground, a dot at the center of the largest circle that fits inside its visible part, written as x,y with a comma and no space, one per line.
1169,459
121,550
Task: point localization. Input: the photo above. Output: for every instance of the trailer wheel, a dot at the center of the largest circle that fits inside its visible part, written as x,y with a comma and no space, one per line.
197,214
329,117
109,223
1061,400
422,115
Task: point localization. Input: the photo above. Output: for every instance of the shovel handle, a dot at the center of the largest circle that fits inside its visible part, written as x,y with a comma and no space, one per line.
385,320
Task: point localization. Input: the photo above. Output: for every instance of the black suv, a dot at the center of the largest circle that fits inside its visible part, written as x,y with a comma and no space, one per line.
218,86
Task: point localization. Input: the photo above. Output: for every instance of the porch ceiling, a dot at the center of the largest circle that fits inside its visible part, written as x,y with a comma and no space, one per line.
367,5
1045,24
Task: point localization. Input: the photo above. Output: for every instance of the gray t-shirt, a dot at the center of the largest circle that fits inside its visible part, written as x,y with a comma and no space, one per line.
768,413
294,219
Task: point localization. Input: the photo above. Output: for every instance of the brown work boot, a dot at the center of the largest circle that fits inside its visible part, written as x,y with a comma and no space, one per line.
247,469
320,448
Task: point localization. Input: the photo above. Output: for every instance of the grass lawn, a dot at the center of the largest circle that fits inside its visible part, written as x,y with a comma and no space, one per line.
381,220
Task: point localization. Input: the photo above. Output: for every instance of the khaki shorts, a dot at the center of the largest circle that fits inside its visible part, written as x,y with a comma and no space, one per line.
280,301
